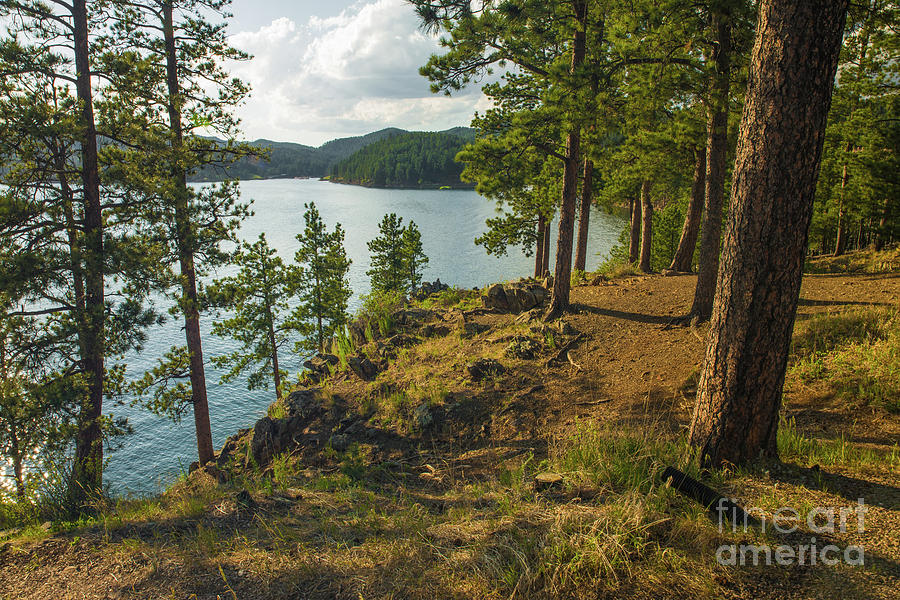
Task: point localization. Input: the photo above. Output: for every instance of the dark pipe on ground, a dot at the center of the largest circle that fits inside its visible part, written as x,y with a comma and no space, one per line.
718,506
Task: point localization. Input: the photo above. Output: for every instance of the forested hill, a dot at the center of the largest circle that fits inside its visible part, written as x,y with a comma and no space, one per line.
288,159
408,160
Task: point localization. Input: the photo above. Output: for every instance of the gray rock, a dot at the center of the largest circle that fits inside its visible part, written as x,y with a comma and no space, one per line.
340,442
515,297
427,417
485,367
304,403
364,368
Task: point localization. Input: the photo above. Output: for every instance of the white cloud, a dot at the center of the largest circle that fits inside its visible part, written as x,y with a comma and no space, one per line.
344,75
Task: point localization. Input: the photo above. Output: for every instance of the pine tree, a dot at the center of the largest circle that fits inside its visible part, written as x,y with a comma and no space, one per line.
256,299
413,256
388,272
778,155
321,282
169,60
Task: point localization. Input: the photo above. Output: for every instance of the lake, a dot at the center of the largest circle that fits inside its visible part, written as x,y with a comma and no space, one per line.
449,220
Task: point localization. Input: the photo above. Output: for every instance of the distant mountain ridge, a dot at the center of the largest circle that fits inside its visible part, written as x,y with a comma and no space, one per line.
290,159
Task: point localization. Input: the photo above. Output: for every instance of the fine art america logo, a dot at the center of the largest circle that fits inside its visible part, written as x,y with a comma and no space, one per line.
787,520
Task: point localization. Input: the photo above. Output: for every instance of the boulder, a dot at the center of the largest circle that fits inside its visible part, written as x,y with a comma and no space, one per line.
304,403
495,297
429,330
485,367
515,297
470,328
364,368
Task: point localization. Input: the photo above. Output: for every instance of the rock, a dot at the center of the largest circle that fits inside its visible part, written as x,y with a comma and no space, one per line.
428,417
389,346
303,403
598,280
471,329
427,289
411,316
515,297
547,481
548,282
523,347
340,442
364,368
495,297
46,526
485,367
429,330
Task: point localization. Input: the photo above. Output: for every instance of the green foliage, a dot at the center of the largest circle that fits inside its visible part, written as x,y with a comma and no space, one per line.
320,282
377,308
404,160
257,300
397,257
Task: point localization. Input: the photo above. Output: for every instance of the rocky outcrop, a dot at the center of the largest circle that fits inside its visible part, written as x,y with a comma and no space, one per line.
320,366
515,297
274,436
427,289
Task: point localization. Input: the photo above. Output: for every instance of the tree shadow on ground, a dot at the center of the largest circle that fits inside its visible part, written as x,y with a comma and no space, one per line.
851,488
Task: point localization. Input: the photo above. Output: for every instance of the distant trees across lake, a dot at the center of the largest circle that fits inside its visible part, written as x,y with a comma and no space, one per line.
403,159
407,160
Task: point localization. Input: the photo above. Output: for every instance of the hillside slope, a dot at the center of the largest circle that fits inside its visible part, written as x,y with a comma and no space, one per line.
418,483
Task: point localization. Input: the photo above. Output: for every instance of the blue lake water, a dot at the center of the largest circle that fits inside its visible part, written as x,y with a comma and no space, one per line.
449,221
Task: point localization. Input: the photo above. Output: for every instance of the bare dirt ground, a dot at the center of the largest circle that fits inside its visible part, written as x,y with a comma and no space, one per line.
630,370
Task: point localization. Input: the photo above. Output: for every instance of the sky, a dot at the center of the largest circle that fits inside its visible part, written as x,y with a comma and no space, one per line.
323,70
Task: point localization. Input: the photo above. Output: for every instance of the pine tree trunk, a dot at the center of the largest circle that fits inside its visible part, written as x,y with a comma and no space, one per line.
793,64
841,241
545,268
716,155
539,248
882,233
634,244
646,226
275,368
559,301
584,216
185,243
87,471
684,255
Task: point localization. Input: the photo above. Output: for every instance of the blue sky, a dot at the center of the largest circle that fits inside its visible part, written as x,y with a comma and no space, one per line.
323,70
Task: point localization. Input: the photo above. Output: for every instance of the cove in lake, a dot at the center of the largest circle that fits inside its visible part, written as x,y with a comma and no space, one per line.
449,220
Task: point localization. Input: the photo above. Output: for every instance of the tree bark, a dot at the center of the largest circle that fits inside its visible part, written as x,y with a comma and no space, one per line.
793,65
545,269
87,471
841,241
716,154
185,243
539,248
584,216
684,255
559,301
634,245
881,235
646,225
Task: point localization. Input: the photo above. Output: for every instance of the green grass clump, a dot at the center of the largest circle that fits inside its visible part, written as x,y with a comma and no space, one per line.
453,298
794,446
855,354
